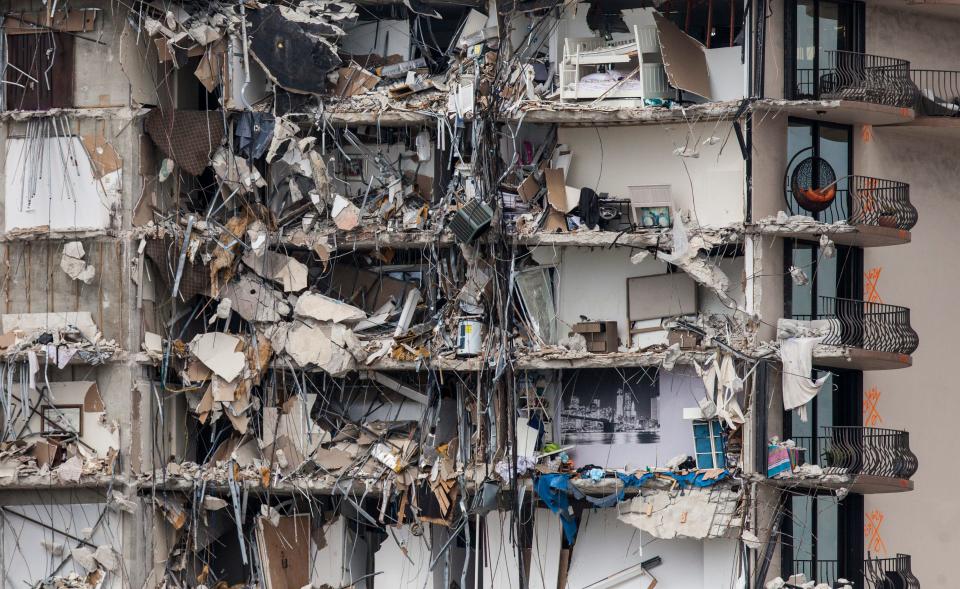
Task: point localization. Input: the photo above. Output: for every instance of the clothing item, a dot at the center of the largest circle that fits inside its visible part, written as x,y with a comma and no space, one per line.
796,355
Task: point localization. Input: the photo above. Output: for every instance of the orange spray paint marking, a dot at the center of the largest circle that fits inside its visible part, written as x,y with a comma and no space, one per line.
867,133
871,415
871,277
871,532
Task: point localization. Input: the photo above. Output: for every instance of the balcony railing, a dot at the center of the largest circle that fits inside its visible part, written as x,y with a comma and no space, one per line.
860,77
878,573
858,450
938,92
871,326
867,201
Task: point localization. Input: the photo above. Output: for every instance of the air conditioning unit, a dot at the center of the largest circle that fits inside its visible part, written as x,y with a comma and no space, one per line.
471,221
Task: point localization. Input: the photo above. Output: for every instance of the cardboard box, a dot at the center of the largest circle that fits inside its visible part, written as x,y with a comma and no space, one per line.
601,336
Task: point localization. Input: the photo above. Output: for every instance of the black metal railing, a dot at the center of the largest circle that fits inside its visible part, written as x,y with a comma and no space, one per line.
895,572
861,324
863,200
861,77
858,450
938,92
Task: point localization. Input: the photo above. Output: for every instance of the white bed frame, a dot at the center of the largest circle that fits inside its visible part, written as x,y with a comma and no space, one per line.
581,53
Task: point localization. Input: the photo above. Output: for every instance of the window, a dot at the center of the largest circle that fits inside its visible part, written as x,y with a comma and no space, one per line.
38,74
833,143
709,442
814,29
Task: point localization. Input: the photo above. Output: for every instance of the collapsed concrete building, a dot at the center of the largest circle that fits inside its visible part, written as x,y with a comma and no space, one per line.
445,293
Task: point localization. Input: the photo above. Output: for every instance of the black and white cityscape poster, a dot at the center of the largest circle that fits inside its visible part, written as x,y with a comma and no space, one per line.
633,418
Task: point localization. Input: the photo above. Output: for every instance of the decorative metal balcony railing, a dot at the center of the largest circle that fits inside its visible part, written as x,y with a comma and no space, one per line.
938,92
867,201
871,326
858,450
878,573
860,77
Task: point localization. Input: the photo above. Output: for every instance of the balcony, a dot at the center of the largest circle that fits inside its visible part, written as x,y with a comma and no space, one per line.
861,335
878,211
938,92
865,460
858,77
854,88
878,573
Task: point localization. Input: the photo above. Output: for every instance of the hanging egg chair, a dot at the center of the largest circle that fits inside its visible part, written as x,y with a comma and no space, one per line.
813,183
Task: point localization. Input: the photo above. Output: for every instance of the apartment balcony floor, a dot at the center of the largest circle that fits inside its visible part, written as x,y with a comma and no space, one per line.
830,484
846,357
852,235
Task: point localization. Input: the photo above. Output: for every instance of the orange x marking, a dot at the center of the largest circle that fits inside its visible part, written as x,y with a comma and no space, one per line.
871,415
871,531
871,277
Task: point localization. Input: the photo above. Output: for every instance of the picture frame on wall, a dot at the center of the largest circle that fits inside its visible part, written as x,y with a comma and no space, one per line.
61,419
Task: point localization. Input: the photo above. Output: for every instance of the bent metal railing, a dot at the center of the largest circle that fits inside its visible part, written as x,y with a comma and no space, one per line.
859,450
864,200
860,77
938,92
861,324
895,572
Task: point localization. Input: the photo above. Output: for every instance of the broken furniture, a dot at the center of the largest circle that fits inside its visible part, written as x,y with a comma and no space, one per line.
633,68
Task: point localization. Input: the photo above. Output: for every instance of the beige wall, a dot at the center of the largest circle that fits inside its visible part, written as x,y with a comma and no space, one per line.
926,41
921,399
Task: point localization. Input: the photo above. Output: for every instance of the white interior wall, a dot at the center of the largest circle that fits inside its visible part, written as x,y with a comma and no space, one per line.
50,182
383,37
342,559
613,158
605,546
593,282
24,560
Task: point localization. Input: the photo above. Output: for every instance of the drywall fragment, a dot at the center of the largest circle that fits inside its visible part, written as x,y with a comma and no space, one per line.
321,345
212,503
73,264
285,270
152,343
54,549
103,156
406,316
322,308
254,300
83,556
218,352
70,470
223,310
345,214
223,391
122,503
235,172
333,459
106,557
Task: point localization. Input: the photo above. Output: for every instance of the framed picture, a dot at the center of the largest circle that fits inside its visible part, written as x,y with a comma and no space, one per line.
353,168
59,419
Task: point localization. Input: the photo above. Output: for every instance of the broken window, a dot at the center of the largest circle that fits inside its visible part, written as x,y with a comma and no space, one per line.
39,72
